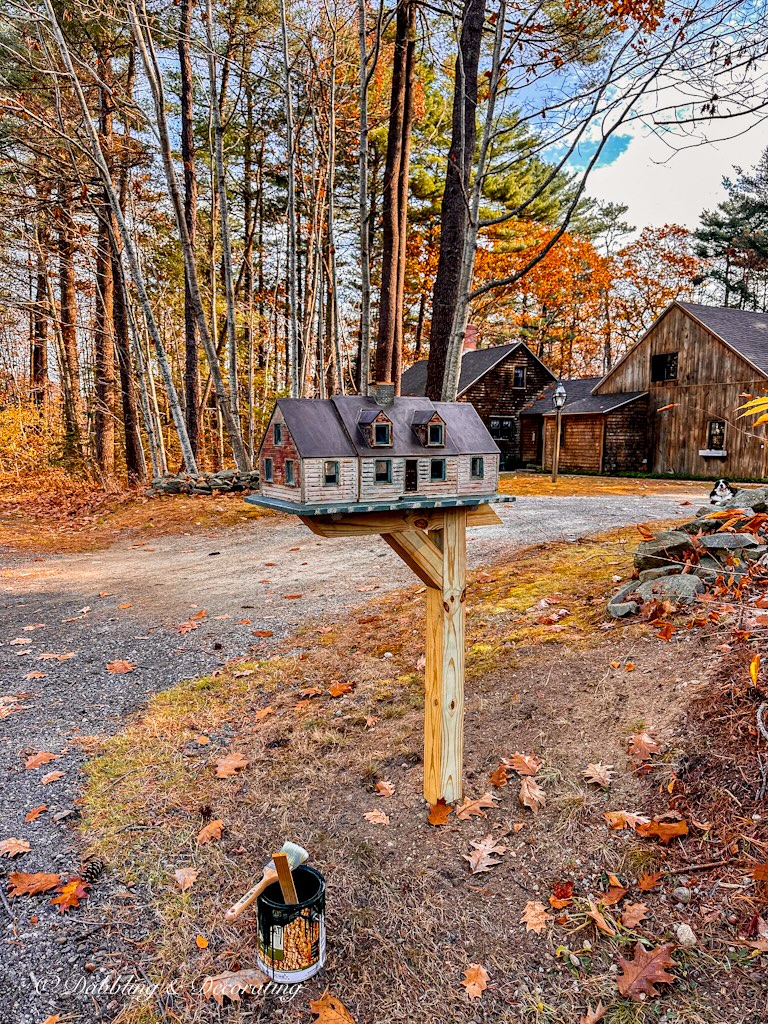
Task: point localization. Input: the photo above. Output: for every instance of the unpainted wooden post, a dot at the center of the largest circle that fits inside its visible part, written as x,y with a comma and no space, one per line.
444,676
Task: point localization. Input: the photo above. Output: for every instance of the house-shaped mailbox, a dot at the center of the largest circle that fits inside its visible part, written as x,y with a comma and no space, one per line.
382,451
417,473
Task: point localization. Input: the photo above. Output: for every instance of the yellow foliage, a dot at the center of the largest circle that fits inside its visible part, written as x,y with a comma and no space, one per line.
27,440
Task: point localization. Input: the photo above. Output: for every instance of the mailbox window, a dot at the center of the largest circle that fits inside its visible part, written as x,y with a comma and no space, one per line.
382,433
478,467
437,469
331,474
268,471
290,478
383,471
277,433
436,433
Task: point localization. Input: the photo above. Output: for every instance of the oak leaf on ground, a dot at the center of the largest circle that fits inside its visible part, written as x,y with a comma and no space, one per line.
23,884
599,774
39,759
633,914
485,854
51,777
330,1010
599,920
624,819
262,713
562,895
439,812
35,813
120,668
664,831
13,847
476,808
616,892
535,917
384,788
339,689
531,794
523,764
231,984
642,745
211,831
649,880
499,776
377,817
475,981
233,762
646,970
70,894
594,1016
185,877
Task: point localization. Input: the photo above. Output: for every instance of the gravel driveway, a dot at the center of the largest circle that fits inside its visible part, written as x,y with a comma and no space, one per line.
125,604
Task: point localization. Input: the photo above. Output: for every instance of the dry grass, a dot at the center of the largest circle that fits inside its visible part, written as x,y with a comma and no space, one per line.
61,513
575,485
405,919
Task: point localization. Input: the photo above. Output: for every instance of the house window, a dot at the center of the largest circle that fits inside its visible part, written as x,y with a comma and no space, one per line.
330,474
437,469
478,467
382,433
716,435
435,433
502,428
383,471
290,478
518,377
663,367
277,433
268,471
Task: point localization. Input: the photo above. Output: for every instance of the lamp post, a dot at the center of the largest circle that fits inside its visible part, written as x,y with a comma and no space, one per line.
559,398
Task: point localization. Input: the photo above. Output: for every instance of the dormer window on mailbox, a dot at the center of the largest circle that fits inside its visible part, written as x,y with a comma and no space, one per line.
382,434
429,427
376,428
436,435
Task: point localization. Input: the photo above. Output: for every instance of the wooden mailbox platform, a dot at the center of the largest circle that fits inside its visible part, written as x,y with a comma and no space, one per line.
431,538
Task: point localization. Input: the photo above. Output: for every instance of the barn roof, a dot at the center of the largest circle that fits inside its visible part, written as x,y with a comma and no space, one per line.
324,428
743,330
579,399
474,365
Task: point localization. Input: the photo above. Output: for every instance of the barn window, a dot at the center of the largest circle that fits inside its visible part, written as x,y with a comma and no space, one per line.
502,428
518,377
383,471
277,433
330,474
290,477
716,435
437,469
268,471
382,433
478,467
664,367
435,434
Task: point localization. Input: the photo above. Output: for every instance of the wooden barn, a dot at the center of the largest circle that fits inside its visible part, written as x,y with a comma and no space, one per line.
598,433
498,382
350,449
698,364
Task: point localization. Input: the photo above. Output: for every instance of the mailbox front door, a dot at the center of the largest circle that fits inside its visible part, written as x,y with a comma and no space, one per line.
411,475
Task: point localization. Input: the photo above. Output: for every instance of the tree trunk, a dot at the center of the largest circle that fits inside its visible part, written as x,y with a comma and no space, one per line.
73,448
385,341
191,353
292,348
454,213
40,314
402,198
104,340
364,349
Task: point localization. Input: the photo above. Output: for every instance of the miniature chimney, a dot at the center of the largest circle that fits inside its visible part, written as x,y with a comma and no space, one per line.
383,393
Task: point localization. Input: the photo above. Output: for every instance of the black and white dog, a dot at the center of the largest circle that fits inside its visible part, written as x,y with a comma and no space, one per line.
721,492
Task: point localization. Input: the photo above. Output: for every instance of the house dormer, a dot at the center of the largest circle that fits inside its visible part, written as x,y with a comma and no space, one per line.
429,427
376,428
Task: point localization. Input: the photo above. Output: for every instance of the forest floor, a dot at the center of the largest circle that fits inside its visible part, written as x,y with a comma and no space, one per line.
405,918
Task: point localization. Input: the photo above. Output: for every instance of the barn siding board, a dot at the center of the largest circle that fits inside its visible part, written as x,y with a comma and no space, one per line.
582,446
495,395
625,448
530,433
712,379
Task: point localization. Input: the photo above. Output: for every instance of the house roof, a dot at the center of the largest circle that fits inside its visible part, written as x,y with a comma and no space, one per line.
579,399
322,428
474,365
743,330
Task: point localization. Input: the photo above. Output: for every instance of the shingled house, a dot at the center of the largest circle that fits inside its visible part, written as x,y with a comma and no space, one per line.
670,405
498,382
378,449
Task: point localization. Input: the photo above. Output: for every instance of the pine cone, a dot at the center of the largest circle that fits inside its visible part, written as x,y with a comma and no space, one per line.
92,869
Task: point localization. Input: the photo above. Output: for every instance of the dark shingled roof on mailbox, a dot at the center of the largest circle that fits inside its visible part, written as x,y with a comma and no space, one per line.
330,427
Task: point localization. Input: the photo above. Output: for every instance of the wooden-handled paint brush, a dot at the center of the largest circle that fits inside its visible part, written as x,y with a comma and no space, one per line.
295,856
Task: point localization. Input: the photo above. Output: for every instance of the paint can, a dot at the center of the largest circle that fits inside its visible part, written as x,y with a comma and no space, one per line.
291,940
